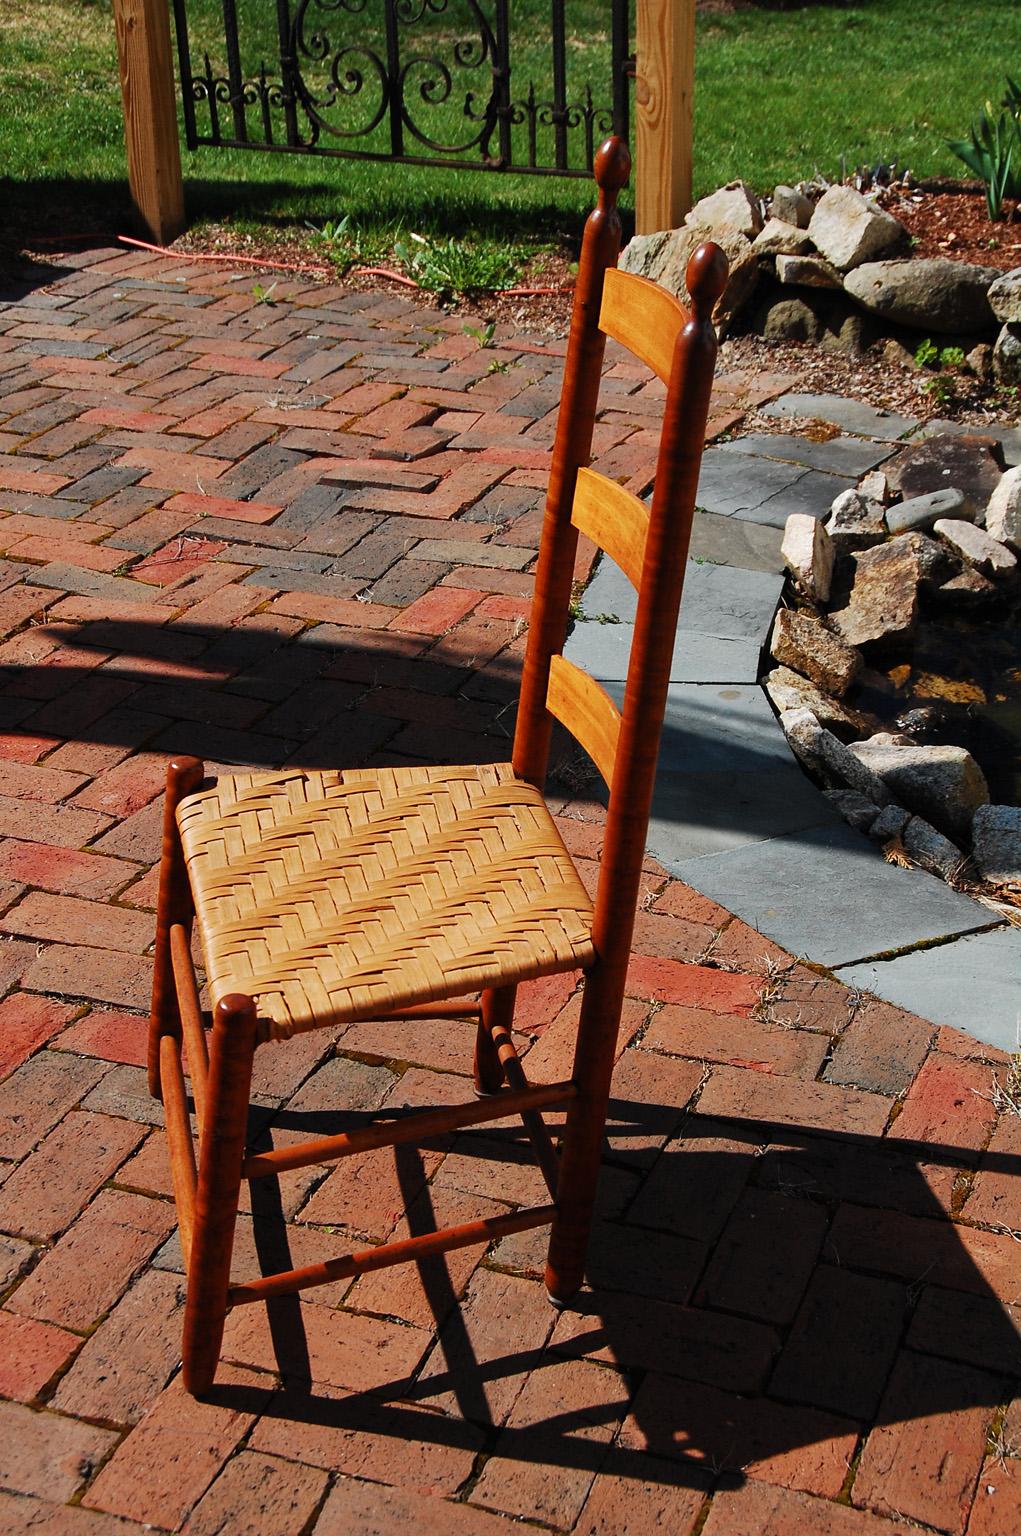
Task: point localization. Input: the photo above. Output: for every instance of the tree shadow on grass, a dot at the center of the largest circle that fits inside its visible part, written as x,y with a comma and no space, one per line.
69,214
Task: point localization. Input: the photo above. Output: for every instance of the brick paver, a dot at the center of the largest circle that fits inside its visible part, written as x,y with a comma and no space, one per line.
304,532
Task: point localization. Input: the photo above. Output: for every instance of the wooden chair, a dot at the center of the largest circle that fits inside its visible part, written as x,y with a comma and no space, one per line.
323,896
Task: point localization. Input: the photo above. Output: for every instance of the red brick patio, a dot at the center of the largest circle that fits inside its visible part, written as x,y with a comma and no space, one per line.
302,531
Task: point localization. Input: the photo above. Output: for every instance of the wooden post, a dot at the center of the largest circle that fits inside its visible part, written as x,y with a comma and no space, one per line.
664,102
150,115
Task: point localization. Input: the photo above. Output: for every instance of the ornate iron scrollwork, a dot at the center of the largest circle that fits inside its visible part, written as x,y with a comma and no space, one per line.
359,70
395,81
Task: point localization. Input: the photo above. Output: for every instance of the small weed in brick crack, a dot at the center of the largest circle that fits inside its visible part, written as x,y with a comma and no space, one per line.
1006,1095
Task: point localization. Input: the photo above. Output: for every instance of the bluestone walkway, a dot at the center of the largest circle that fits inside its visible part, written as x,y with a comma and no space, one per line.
303,532
735,816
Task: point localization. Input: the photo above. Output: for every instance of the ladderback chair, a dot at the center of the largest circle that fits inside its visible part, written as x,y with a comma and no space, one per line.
324,897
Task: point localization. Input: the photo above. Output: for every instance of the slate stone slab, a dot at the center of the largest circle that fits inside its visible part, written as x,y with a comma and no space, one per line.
703,721
730,604
813,493
726,775
717,600
827,893
971,984
733,814
761,490
838,456
849,415
698,815
609,594
735,542
732,483
603,650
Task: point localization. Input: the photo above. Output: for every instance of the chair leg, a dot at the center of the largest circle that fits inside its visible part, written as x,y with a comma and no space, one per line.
497,1008
582,1145
219,1184
173,905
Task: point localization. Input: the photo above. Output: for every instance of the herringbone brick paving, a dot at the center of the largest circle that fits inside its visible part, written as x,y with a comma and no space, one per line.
302,531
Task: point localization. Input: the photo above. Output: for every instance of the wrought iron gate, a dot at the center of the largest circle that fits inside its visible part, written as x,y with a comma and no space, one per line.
426,82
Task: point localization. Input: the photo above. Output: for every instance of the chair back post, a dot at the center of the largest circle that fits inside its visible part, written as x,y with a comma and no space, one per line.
659,596
572,449
666,553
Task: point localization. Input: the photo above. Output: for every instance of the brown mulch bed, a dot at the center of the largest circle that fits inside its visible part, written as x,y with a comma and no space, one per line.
956,224
869,378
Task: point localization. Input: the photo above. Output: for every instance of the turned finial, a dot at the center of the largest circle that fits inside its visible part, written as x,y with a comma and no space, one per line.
612,167
706,278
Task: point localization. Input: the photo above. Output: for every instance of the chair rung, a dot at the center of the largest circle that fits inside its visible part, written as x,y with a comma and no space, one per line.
514,1075
448,1010
190,1010
418,1127
179,1139
409,1249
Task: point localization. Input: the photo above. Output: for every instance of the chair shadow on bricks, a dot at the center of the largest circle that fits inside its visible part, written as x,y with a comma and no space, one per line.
764,1302
767,1301
326,697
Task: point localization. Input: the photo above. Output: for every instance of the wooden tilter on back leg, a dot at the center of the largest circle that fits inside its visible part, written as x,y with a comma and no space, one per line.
329,896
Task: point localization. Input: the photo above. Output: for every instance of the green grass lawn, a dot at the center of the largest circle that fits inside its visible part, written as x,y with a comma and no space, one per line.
779,94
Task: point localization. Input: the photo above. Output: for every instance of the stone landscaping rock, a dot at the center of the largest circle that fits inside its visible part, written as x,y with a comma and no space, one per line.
778,238
944,784
808,554
857,810
803,731
875,487
732,209
848,230
851,332
788,690
969,590
892,738
975,546
923,511
788,320
663,257
996,843
855,522
935,565
969,462
840,763
931,849
1003,514
890,823
644,254
742,280
897,355
932,294
807,272
821,750
791,205
1007,355
807,646
883,606
1005,297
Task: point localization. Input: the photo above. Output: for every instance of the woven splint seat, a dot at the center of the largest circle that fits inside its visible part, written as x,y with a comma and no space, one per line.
327,896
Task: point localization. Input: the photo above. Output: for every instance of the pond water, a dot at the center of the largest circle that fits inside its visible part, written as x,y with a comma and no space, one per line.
962,687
